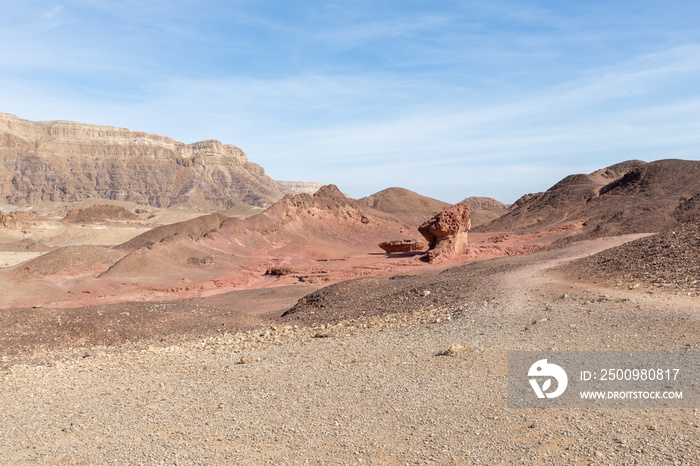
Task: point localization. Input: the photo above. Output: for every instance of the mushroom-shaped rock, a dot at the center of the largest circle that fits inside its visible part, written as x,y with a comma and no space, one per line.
447,233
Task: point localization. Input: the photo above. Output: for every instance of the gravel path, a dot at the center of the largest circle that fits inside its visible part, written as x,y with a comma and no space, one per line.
369,390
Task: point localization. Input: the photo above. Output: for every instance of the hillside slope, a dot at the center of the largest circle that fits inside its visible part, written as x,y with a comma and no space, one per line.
411,207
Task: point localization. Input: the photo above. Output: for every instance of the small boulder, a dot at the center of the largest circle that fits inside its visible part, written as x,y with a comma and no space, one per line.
453,350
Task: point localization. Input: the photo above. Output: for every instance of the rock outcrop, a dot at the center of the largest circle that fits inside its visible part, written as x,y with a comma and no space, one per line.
61,161
402,245
446,233
17,219
99,213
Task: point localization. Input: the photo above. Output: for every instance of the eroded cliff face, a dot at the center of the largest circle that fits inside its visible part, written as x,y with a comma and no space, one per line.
66,161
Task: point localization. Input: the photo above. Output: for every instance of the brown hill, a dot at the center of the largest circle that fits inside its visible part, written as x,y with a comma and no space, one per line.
25,245
194,230
629,197
70,260
298,230
322,215
484,209
483,203
68,161
411,207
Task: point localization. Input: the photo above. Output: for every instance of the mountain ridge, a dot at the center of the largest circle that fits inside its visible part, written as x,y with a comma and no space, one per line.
64,161
624,198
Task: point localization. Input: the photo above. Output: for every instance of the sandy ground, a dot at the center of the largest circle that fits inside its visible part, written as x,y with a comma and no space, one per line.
370,389
9,259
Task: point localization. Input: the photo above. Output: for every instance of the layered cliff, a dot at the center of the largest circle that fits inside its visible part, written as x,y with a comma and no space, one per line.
68,161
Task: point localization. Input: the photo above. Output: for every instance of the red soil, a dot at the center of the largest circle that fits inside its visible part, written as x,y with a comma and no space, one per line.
319,240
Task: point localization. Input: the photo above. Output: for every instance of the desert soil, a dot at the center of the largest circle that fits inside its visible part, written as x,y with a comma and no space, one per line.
354,380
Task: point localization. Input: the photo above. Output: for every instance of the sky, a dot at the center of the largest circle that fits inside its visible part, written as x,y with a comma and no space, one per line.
450,99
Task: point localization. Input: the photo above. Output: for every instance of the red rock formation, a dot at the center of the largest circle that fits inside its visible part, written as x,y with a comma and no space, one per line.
405,245
447,232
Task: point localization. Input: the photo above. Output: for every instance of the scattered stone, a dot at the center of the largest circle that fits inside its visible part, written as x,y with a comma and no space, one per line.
244,360
278,271
199,262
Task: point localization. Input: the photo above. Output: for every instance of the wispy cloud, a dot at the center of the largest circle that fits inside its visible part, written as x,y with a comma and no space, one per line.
450,99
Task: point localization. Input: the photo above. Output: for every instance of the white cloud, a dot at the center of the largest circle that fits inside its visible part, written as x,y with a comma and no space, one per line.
442,124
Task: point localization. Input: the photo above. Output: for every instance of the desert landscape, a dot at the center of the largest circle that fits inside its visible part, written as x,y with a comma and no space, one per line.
164,303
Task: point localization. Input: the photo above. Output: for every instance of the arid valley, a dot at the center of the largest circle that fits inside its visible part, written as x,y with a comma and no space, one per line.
170,303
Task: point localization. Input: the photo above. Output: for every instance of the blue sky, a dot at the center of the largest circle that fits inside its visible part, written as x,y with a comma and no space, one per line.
447,98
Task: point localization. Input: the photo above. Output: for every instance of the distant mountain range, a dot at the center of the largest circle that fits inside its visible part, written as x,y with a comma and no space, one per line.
62,161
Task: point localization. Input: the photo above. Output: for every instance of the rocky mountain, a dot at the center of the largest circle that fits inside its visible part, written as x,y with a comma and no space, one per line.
629,197
68,161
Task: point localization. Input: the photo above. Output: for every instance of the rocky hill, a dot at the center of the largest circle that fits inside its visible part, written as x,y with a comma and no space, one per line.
484,209
410,206
302,238
483,203
629,197
669,260
414,208
68,161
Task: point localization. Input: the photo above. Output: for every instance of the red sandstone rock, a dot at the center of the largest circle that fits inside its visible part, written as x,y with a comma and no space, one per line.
406,245
447,232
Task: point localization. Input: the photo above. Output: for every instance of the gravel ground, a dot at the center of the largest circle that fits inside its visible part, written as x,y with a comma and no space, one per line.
670,259
366,388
